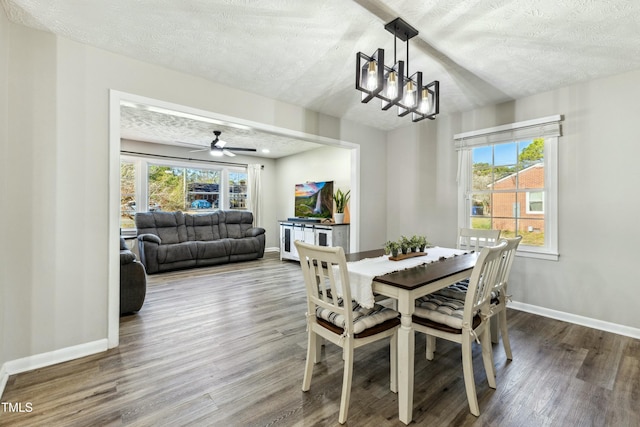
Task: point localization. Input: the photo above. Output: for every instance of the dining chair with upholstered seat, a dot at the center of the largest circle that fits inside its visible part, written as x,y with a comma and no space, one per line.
499,296
464,321
474,239
334,317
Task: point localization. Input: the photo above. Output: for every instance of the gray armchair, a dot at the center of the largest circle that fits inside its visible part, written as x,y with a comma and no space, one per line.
133,281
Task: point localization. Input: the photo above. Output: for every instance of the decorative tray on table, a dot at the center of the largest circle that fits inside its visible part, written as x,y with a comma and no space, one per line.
405,256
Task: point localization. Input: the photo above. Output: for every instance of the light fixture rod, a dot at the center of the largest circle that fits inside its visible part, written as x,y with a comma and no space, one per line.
403,30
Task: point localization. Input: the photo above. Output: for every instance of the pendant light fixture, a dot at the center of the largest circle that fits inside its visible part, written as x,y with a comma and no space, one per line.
393,85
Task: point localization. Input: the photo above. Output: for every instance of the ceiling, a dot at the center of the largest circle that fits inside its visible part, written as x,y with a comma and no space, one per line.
303,52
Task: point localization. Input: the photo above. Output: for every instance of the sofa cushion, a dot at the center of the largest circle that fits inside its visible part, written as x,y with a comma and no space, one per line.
204,227
247,245
237,223
168,226
213,249
177,252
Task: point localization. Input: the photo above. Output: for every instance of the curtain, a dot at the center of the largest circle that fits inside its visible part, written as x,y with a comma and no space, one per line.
254,190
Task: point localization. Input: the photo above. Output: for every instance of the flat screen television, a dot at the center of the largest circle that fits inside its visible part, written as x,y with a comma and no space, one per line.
314,200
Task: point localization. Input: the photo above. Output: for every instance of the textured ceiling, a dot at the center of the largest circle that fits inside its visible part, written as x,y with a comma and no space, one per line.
303,52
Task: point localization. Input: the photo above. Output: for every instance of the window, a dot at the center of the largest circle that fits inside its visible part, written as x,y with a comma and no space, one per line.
237,190
147,186
508,181
127,194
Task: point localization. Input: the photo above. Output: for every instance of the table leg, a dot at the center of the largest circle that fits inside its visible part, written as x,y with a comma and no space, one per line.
406,351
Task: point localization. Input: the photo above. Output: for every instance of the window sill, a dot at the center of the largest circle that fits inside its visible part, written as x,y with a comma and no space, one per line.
547,256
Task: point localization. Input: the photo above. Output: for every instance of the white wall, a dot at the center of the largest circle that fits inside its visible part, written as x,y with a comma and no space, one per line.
598,203
4,181
56,272
322,164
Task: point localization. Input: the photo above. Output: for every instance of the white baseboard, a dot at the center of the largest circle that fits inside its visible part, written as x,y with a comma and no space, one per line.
30,363
273,249
578,320
4,376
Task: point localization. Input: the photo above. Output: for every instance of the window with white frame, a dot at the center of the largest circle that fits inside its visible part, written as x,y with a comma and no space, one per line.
508,181
148,185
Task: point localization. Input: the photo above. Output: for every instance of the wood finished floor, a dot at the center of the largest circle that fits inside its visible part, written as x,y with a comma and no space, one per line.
225,346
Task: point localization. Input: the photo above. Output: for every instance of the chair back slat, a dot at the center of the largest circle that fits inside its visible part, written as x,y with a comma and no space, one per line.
473,239
508,255
326,278
482,281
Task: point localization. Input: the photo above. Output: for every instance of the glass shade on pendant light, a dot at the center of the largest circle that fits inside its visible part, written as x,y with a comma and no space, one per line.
369,74
409,101
429,106
425,105
393,83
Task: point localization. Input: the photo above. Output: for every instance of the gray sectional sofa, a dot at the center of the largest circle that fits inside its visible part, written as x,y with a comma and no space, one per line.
175,240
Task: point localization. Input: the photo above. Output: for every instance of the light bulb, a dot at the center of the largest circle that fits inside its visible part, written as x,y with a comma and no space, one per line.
372,76
425,105
409,98
392,85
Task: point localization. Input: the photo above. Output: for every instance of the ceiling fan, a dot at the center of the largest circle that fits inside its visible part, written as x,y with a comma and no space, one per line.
219,148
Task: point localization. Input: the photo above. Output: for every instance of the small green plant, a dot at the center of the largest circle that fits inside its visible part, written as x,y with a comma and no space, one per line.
422,242
341,200
405,244
391,247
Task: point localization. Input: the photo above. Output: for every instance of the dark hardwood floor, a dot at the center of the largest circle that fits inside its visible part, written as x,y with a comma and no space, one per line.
225,346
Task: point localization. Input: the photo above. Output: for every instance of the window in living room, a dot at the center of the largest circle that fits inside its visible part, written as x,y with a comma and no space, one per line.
508,181
237,190
127,194
147,185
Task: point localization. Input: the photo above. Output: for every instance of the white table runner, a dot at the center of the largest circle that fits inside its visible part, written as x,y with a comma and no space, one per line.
361,273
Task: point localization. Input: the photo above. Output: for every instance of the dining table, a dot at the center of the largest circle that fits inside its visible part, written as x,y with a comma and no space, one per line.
405,286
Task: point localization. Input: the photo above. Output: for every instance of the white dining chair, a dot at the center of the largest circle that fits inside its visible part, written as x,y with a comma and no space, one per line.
349,325
465,321
499,295
474,239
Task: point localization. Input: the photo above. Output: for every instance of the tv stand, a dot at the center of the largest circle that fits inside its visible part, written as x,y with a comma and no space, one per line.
315,233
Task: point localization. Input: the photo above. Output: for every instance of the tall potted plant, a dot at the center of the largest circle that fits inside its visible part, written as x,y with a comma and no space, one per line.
341,200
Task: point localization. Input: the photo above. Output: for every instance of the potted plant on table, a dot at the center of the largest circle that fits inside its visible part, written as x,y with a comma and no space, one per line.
391,248
405,244
422,243
341,200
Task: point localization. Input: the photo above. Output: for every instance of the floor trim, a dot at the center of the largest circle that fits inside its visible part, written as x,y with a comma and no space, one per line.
41,360
578,320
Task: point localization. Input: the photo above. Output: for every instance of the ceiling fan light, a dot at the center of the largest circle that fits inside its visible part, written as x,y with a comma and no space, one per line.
216,152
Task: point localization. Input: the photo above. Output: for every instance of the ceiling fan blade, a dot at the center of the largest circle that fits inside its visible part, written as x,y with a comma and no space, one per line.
221,144
240,149
228,153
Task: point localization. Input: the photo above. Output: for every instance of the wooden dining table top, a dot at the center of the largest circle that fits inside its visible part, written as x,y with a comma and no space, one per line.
421,275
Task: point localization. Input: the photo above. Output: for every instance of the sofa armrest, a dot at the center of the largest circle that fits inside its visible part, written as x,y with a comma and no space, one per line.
126,257
149,238
254,232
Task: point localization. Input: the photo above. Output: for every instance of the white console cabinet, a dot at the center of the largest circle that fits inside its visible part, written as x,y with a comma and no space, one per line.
315,233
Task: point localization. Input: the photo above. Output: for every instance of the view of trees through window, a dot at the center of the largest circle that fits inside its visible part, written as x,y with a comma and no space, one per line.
183,189
508,189
176,188
127,194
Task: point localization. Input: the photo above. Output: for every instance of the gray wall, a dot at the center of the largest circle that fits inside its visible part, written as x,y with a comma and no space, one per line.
598,206
55,275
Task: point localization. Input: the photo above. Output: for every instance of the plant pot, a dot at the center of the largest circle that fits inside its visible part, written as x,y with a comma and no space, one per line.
394,253
338,218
